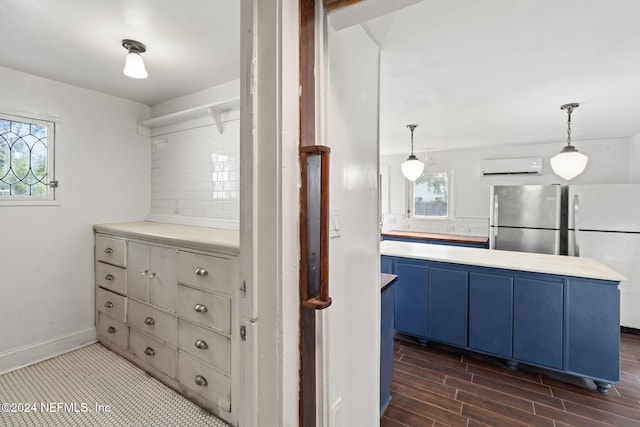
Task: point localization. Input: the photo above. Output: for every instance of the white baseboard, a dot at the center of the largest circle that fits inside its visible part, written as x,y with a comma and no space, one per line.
19,357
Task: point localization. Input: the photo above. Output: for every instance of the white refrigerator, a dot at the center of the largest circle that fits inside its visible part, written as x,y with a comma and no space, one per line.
603,222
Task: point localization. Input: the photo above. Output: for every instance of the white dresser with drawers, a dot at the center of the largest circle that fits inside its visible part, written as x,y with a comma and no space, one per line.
166,299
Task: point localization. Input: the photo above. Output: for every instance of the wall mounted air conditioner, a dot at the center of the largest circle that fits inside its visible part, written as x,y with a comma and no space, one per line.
519,166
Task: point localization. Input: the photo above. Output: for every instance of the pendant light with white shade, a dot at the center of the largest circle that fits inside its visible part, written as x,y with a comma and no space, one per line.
412,168
569,162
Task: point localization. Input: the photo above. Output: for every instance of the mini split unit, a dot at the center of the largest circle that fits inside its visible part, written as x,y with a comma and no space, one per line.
520,166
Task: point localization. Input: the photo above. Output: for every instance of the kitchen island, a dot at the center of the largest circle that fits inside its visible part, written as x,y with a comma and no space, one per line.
556,312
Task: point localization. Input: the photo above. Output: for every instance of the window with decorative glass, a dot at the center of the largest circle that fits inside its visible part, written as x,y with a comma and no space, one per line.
26,160
429,195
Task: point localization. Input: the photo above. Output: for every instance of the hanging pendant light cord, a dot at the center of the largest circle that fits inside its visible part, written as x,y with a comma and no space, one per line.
569,108
412,127
569,111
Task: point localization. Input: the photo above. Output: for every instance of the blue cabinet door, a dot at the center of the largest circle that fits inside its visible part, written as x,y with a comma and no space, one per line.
387,333
386,264
490,313
538,322
448,306
593,329
411,314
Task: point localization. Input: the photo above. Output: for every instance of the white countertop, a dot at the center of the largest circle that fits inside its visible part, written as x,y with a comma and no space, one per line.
204,238
522,261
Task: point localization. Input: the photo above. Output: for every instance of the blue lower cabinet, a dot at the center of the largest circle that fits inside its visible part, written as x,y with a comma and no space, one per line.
386,264
463,244
593,333
491,313
435,242
387,332
448,306
403,239
538,322
565,324
411,312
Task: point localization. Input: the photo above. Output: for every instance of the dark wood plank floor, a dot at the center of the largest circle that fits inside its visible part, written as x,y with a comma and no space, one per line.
438,386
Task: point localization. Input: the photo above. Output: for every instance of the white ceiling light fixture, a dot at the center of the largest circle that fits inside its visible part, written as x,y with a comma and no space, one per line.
134,65
412,168
569,162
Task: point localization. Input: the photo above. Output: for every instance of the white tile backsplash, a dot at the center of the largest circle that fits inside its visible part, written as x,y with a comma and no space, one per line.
461,225
195,174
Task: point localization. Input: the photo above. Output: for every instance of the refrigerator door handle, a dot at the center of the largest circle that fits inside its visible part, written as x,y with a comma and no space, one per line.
576,228
494,235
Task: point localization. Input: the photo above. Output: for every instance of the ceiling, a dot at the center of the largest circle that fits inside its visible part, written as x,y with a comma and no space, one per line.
470,73
191,44
474,73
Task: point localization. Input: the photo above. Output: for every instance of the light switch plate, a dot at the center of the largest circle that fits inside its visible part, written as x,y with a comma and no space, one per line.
334,223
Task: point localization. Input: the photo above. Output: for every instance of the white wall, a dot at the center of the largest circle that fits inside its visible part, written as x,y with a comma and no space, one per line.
352,323
634,158
46,253
608,163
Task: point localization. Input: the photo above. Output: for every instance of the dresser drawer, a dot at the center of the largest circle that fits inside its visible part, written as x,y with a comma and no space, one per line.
111,250
153,352
204,308
153,321
111,277
204,380
206,272
112,332
205,344
111,304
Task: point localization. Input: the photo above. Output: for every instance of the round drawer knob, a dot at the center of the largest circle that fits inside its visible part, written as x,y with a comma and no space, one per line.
109,277
201,381
108,304
108,251
201,271
149,351
200,308
201,345
111,330
149,321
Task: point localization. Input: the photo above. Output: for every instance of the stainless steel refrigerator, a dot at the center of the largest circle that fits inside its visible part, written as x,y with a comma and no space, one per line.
603,222
525,218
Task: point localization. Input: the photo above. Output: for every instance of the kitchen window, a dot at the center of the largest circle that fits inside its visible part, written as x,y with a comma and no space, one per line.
26,161
429,195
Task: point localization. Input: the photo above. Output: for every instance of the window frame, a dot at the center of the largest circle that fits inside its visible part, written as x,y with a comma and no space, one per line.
410,197
53,198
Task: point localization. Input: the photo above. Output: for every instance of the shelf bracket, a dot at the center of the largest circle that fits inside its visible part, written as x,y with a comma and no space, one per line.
217,117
